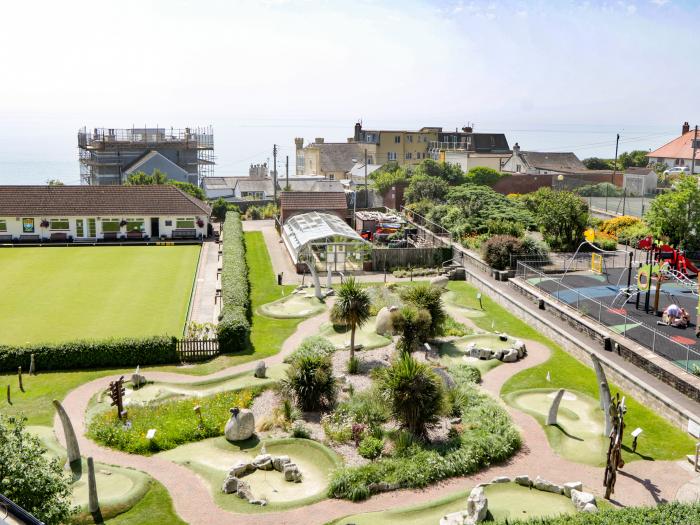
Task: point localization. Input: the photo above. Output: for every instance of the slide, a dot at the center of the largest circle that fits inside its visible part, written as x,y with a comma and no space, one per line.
689,266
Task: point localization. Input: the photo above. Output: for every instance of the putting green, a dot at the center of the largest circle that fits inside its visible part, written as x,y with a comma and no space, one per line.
578,436
452,303
294,306
213,458
455,352
506,501
364,335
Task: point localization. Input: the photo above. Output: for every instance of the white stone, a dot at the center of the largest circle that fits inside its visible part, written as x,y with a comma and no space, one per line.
241,469
501,479
590,508
524,480
580,499
230,485
137,380
484,353
384,325
240,425
572,485
547,486
260,370
279,462
454,518
510,356
477,505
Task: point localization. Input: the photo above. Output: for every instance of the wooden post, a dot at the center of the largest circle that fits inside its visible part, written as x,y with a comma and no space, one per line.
9,399
116,392
32,366
19,376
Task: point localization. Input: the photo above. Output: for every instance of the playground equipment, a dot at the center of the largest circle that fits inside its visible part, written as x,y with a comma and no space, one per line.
676,259
597,263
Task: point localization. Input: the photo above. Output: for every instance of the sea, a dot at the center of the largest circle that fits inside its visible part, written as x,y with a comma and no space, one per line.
33,154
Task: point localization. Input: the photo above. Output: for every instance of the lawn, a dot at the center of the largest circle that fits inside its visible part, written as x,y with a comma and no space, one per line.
60,294
660,441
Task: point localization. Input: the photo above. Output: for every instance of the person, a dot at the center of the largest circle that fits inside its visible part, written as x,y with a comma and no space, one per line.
675,316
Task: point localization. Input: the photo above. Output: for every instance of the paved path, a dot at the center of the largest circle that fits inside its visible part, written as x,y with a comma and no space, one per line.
203,309
640,483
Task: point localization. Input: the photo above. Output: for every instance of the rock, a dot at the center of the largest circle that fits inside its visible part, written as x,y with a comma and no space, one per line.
261,502
498,354
525,480
501,479
260,370
484,353
382,486
241,469
279,462
503,337
384,326
554,408
519,346
261,459
244,491
265,465
291,473
472,350
590,508
137,380
510,356
580,499
477,505
454,518
241,425
571,485
230,485
547,486
439,281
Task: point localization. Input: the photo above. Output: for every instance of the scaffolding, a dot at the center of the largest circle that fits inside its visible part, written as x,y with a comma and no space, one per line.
104,154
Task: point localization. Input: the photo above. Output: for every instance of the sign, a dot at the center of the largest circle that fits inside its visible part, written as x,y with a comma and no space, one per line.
693,428
28,225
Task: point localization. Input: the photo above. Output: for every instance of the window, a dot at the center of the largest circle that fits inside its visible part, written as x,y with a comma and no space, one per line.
168,223
517,168
253,195
135,225
187,222
409,138
3,225
397,139
391,155
59,224
408,156
110,225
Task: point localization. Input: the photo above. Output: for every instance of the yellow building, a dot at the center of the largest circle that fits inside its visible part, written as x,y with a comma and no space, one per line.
406,148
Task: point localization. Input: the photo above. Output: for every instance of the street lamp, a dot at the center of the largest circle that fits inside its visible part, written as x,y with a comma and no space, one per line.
560,180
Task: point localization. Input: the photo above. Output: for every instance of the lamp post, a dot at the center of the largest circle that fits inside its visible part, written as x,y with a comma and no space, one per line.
560,180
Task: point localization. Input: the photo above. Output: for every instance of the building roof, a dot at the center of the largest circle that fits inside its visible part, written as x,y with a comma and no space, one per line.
153,159
313,200
678,148
247,184
311,185
64,201
638,171
221,183
337,156
553,161
358,170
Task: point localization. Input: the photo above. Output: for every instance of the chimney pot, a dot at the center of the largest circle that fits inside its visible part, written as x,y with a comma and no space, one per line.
686,128
318,140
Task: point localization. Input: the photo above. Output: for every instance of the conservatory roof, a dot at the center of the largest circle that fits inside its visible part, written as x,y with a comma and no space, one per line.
303,229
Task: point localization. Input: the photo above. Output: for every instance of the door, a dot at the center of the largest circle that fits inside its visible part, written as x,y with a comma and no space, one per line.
155,227
79,228
92,228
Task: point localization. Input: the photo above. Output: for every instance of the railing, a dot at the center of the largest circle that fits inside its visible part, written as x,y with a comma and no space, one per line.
455,146
201,136
443,234
643,334
191,350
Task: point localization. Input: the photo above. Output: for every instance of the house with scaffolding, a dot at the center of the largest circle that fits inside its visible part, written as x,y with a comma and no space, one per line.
108,156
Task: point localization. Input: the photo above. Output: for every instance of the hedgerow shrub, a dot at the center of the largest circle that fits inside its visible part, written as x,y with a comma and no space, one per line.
498,249
314,345
371,447
108,353
614,225
665,514
234,322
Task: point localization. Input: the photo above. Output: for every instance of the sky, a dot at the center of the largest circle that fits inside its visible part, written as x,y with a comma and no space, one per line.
559,75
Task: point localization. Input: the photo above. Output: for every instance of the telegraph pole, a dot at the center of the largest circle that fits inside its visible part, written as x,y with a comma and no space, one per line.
286,168
367,192
274,170
695,150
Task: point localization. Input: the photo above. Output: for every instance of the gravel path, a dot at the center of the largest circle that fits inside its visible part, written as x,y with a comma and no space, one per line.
640,483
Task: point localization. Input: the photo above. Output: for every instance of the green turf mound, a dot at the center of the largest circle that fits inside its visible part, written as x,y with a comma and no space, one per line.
364,335
294,306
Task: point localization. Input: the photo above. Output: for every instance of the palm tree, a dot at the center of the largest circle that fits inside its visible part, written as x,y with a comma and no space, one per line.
352,307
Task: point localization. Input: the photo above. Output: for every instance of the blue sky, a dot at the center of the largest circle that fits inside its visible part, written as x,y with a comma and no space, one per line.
317,66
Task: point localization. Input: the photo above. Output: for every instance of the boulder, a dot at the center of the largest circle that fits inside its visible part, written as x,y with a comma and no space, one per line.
230,485
580,499
384,325
240,425
498,354
519,346
472,350
439,281
501,479
261,502
240,469
292,473
260,370
381,486
137,380
262,459
547,486
590,508
244,491
278,462
525,480
510,356
477,505
485,353
572,485
454,518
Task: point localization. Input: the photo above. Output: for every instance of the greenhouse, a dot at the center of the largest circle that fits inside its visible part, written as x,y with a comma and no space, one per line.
325,241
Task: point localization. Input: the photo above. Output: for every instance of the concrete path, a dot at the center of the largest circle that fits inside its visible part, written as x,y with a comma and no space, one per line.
203,309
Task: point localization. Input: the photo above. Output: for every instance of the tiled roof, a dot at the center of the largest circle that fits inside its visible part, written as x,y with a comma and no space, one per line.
679,148
337,156
63,201
553,161
313,200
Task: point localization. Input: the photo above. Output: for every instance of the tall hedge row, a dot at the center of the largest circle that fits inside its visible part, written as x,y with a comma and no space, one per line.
109,353
234,322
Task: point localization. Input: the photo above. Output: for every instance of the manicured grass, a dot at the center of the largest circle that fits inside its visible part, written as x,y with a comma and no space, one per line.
155,508
61,294
660,441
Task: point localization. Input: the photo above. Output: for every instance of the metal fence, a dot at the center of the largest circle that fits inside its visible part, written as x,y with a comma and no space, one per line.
677,353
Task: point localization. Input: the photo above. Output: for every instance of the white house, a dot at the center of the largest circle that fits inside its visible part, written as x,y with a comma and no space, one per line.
89,213
542,163
679,152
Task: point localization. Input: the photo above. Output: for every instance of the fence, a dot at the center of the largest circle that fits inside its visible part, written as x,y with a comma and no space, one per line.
677,353
392,258
192,350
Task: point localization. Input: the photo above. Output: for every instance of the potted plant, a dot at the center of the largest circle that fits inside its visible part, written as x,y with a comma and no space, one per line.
44,223
200,222
122,223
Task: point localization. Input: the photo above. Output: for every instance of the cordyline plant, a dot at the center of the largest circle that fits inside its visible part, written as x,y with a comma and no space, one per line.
352,306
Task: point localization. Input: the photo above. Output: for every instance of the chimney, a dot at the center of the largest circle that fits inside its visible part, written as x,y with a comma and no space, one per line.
358,131
318,140
685,129
467,129
516,148
299,143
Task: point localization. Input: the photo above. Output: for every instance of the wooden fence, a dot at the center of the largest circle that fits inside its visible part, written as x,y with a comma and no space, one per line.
392,258
192,350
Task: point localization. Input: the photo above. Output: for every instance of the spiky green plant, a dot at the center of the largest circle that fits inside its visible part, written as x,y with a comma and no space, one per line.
353,306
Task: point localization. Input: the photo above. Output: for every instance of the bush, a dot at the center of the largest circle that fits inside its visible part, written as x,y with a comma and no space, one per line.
109,353
426,297
504,227
599,190
233,330
614,226
253,213
498,249
311,383
299,430
412,325
314,345
371,447
465,374
631,235
353,365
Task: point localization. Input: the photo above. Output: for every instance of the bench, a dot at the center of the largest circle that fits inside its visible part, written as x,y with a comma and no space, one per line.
59,236
184,233
109,236
5,238
29,238
135,235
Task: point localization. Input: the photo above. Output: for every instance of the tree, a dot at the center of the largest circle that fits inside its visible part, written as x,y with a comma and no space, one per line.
352,306
429,298
219,208
635,158
141,178
426,187
28,477
450,173
596,163
483,176
310,382
390,174
414,393
676,214
191,189
413,325
54,182
562,216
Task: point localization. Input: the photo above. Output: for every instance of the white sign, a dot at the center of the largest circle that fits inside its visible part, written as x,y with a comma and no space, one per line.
693,428
151,433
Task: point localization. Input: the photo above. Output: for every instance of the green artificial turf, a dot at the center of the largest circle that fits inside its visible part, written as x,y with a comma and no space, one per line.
61,294
660,440
155,508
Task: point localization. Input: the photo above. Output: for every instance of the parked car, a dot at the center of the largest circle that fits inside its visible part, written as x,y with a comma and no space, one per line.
677,170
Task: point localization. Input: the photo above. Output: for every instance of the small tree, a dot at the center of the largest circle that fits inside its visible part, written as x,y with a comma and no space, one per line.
561,215
28,477
310,382
426,187
483,176
676,214
429,298
413,325
414,393
352,307
141,178
219,209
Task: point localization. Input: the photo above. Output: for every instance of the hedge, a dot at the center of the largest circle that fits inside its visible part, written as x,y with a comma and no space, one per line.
108,353
665,514
234,322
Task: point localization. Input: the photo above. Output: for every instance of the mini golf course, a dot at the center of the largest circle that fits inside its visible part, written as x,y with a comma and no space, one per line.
212,459
505,501
455,352
364,335
297,305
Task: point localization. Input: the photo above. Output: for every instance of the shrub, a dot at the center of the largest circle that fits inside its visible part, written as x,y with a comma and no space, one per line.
498,249
253,213
429,298
605,241
109,353
483,176
504,227
614,226
299,430
233,330
631,235
353,365
465,374
413,325
314,345
371,447
414,393
352,307
311,383
599,190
